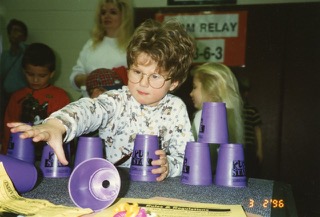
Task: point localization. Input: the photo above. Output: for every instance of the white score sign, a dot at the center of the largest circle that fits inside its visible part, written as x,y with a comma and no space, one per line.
220,37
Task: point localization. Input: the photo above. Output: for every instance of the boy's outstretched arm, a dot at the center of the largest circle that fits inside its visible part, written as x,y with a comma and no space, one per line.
51,132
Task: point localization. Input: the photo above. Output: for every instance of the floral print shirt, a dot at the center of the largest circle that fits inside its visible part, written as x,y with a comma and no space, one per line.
119,117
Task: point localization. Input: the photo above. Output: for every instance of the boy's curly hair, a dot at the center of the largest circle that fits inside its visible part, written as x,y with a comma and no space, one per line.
166,43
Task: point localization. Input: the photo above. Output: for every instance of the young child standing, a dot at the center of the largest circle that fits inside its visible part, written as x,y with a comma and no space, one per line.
102,79
215,82
159,57
36,102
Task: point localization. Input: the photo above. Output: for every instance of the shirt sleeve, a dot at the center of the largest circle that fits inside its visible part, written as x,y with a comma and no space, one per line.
84,116
196,124
180,133
79,68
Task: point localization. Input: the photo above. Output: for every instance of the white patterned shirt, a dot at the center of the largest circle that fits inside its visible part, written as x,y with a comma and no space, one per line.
119,117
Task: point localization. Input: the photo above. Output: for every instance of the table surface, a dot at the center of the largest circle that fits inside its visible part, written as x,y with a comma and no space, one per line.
255,198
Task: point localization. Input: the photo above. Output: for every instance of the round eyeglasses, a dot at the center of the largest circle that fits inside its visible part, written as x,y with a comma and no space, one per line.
155,80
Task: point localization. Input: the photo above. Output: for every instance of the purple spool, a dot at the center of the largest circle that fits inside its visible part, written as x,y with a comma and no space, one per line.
95,184
142,156
22,149
231,171
213,126
87,148
22,174
197,164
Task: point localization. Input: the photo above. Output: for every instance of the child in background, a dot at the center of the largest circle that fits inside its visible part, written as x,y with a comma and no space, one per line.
159,57
101,80
215,82
11,73
253,131
36,102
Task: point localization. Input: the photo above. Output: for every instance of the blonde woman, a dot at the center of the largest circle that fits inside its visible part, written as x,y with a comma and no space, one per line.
107,46
215,82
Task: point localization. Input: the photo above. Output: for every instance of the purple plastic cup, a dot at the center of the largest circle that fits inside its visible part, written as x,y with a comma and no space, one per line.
22,149
213,126
142,156
88,147
50,165
23,175
95,184
197,164
231,170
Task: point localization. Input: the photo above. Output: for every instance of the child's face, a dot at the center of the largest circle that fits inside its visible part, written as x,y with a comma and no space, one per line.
142,91
16,35
38,77
95,92
110,17
197,93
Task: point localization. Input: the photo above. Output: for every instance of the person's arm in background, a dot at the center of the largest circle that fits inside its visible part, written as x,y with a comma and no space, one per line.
78,76
80,80
258,134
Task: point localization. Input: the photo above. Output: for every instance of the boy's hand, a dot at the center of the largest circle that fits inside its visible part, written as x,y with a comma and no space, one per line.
50,132
163,170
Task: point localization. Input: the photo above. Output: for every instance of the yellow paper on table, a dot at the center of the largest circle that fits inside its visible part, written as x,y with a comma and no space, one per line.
12,202
178,209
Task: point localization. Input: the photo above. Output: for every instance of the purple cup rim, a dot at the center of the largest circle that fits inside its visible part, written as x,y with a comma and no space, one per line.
205,104
146,136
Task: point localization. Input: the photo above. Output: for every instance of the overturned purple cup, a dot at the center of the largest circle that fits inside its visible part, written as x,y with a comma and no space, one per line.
142,156
197,164
231,170
23,175
88,147
22,149
95,183
50,165
213,126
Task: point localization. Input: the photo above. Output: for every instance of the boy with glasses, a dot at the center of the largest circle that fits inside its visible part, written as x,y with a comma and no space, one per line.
159,57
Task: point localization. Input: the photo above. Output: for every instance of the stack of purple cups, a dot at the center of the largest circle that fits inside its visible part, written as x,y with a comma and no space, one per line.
229,165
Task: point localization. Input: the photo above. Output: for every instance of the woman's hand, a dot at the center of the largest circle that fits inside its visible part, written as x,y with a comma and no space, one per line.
50,132
163,170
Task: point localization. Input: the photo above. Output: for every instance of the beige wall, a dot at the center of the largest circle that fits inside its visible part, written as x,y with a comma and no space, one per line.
65,26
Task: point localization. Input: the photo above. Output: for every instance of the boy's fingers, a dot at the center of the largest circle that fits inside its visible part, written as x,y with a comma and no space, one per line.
18,127
60,155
